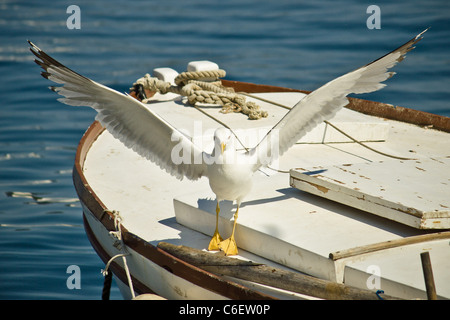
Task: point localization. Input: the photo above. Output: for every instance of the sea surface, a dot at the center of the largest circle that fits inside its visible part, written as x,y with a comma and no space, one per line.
297,44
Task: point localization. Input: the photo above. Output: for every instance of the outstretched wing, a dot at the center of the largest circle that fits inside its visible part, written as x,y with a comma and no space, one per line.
323,103
126,119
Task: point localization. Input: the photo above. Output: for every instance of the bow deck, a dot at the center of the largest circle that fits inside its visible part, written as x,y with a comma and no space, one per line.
280,225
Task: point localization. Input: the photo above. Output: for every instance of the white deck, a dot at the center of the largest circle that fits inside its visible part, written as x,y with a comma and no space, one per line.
278,222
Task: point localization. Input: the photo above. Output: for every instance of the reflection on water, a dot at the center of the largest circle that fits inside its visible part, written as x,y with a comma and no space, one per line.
40,199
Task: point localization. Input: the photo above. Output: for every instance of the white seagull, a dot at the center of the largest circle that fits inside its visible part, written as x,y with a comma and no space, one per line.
229,173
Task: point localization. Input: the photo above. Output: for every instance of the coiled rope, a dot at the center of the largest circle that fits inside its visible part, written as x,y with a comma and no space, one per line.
200,87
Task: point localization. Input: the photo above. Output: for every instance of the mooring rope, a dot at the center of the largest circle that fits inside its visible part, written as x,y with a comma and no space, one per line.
201,87
120,245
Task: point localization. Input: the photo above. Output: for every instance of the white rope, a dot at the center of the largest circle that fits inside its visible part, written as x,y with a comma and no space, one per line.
118,235
105,271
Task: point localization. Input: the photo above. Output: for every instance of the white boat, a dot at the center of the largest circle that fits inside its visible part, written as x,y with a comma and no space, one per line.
351,217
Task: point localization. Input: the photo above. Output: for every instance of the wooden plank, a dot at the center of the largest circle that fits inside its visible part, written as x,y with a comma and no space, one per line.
275,277
411,192
388,245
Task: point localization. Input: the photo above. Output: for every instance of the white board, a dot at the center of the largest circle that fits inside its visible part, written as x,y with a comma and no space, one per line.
412,192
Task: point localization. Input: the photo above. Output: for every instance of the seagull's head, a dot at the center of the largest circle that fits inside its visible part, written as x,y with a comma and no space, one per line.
223,140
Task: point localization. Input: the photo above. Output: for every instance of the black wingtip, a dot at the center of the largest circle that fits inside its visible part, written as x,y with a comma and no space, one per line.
420,35
405,48
45,61
33,48
37,53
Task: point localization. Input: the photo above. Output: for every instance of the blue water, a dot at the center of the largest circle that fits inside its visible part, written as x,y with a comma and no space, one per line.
286,43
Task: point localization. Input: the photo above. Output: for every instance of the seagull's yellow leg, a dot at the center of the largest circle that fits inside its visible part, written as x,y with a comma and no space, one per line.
229,245
216,239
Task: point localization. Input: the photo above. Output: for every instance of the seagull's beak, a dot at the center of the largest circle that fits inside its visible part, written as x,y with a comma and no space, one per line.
222,145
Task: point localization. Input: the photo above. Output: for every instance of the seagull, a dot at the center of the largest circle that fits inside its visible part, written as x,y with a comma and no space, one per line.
229,172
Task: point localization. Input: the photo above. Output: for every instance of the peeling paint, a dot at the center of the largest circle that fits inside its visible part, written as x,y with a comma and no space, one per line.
320,188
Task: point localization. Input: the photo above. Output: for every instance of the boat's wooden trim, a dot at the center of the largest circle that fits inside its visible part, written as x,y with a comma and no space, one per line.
165,260
271,276
190,272
82,187
387,111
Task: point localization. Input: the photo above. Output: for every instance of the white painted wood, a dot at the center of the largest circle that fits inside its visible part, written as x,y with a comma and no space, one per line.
400,270
413,192
201,128
279,223
355,124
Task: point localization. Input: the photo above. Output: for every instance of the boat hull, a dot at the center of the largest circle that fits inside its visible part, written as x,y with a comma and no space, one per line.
156,271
